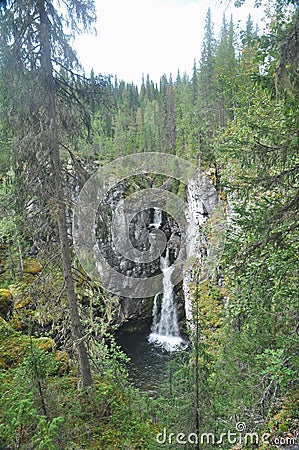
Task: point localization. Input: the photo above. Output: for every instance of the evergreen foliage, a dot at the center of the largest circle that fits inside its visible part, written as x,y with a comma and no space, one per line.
238,115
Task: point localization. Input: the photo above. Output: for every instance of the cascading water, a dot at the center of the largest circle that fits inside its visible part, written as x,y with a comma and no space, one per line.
155,313
149,354
165,328
157,218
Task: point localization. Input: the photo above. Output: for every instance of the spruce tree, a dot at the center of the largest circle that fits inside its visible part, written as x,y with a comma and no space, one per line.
225,71
208,53
38,66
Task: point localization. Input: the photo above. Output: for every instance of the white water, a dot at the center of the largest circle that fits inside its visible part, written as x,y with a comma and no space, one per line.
157,218
155,313
165,328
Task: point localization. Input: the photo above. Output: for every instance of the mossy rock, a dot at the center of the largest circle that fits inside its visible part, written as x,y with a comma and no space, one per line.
64,362
5,302
46,344
22,303
5,294
14,345
15,323
32,267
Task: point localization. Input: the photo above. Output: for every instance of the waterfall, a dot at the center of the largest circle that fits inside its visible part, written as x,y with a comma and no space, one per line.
155,313
165,328
157,218
168,324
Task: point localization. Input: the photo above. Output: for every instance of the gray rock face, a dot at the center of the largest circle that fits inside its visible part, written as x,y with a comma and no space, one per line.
124,251
202,199
115,247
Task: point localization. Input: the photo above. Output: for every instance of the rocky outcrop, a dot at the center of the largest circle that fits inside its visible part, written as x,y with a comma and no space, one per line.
136,312
203,205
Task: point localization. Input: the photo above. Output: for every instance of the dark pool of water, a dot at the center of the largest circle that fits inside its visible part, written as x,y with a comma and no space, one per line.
147,366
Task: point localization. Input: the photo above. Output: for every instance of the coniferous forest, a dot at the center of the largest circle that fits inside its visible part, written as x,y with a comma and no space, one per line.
64,381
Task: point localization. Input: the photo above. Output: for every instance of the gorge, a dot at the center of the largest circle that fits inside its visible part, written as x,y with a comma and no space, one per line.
148,334
147,273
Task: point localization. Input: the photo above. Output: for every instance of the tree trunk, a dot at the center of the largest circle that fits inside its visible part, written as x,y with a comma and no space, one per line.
52,146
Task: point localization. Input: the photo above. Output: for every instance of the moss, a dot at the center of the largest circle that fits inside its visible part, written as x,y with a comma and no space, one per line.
64,362
32,267
284,426
22,303
46,344
5,302
15,323
209,304
14,345
5,294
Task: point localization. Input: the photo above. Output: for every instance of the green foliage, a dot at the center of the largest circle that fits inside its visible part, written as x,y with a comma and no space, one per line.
238,114
46,433
45,411
23,404
258,151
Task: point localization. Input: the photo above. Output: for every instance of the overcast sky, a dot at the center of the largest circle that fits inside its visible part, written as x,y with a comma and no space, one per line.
154,37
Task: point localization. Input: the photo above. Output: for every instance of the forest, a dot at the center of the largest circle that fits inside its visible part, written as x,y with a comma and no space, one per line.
64,380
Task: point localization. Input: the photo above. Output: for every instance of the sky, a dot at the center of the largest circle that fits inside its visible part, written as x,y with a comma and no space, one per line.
155,37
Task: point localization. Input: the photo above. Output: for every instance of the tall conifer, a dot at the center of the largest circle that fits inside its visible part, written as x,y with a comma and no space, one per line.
38,66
